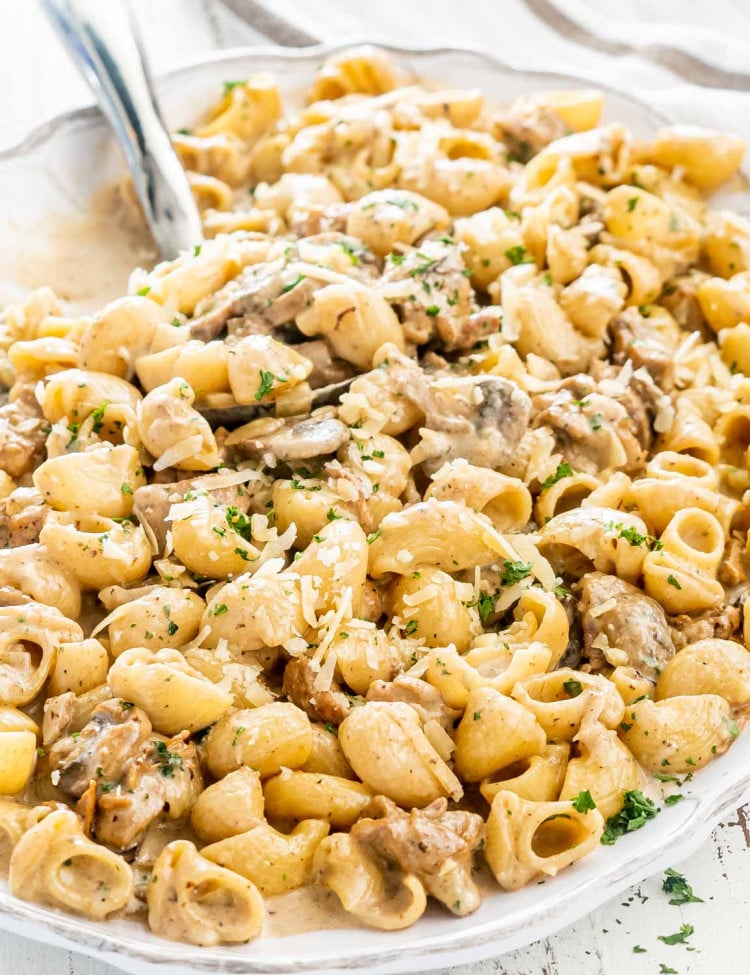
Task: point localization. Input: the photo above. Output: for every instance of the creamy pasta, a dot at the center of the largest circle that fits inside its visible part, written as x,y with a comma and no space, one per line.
485,607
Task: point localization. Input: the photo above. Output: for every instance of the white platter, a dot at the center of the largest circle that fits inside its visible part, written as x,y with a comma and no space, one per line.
52,233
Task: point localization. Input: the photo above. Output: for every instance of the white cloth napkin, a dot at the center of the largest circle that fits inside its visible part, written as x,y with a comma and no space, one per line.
689,60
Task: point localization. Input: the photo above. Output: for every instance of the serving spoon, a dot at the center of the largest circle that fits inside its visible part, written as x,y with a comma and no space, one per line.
100,37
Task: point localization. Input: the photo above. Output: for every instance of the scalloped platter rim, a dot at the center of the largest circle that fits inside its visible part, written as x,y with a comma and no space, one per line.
45,189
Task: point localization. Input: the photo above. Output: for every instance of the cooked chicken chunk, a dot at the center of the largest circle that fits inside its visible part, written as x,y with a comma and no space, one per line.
634,339
439,297
435,845
22,433
163,777
423,697
722,623
102,749
331,706
628,619
22,515
598,426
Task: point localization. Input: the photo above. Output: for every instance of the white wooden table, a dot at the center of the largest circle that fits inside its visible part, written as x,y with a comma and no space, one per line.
38,83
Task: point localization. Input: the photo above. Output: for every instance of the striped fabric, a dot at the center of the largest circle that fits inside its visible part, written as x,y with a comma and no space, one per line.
689,60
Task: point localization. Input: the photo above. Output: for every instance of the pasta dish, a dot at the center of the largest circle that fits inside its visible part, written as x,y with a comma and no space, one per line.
392,542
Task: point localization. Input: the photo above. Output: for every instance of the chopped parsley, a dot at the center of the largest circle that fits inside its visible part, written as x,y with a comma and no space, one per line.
636,811
142,292
292,284
126,489
374,535
518,255
237,734
485,606
679,937
633,203
411,627
97,416
595,421
172,628
266,383
332,515
220,609
673,582
573,687
563,470
331,728
514,571
231,85
583,802
168,760
681,892
238,522
432,310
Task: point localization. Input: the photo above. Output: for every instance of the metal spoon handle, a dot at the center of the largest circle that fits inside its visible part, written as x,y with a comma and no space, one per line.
101,39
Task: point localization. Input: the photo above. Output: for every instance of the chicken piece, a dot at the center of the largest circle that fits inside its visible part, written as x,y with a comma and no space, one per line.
423,697
23,431
327,369
292,439
722,623
264,295
593,432
163,777
59,712
435,845
151,503
330,707
480,418
680,297
439,297
526,129
22,515
733,568
102,749
628,619
633,339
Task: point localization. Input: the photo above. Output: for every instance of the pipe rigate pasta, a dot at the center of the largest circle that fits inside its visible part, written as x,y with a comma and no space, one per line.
489,592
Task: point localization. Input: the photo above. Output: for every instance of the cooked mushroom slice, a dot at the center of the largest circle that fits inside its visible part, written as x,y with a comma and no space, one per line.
291,439
481,418
100,750
619,616
434,845
264,296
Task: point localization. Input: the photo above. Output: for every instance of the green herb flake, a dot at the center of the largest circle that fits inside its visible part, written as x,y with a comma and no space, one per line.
411,627
563,470
636,811
573,687
679,937
681,892
518,255
292,284
633,203
168,760
514,571
583,802
373,536
673,582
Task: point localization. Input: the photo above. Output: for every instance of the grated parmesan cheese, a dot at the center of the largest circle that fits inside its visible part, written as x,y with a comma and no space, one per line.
189,447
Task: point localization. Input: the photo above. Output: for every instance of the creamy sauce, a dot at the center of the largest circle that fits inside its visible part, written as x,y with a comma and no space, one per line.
85,258
302,910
